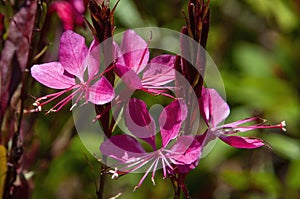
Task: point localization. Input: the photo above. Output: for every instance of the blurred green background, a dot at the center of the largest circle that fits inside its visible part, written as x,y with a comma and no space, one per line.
256,45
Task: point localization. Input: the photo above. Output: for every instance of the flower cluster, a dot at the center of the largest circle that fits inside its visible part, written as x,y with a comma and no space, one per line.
175,151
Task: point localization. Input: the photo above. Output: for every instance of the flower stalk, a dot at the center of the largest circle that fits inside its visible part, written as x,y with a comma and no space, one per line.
103,28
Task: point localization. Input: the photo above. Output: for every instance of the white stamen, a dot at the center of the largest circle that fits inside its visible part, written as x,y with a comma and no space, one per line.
283,125
114,172
73,106
117,196
41,98
152,179
51,111
36,104
37,109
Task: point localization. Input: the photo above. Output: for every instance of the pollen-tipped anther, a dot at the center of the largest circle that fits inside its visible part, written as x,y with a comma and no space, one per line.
283,125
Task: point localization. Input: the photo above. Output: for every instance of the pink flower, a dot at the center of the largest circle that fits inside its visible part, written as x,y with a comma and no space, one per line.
133,59
74,59
216,110
176,150
70,12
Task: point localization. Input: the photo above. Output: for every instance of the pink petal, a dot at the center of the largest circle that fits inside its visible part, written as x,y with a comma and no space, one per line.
135,51
118,54
156,91
215,108
170,120
78,5
202,138
72,53
139,121
95,52
52,75
128,76
65,12
101,92
159,71
122,147
204,103
92,60
185,151
187,168
242,142
79,19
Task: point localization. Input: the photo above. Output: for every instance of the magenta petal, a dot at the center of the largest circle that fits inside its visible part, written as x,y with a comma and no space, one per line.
205,104
122,147
52,75
166,59
92,60
118,54
135,51
78,5
101,92
139,121
185,151
65,12
242,142
187,168
202,138
215,108
128,76
72,53
170,120
159,71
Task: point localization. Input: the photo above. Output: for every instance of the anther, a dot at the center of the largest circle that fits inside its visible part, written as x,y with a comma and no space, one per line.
114,172
283,125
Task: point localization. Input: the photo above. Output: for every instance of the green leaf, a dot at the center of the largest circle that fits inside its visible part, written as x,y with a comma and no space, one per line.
293,175
266,182
238,180
278,9
128,14
283,145
253,60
